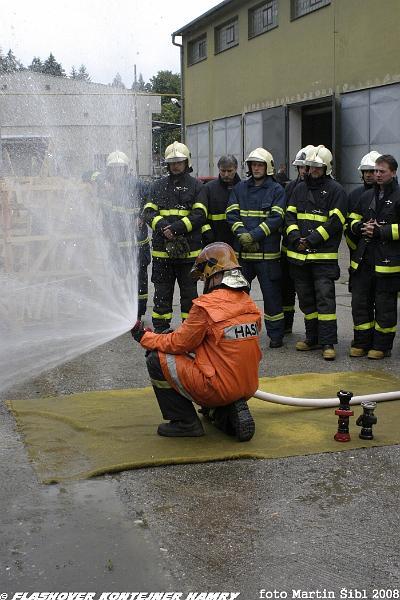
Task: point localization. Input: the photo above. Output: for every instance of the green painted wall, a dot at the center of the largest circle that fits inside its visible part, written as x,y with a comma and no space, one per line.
350,44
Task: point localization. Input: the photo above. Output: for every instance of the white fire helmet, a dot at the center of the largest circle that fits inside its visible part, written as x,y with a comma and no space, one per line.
300,160
368,161
117,158
177,152
262,155
320,157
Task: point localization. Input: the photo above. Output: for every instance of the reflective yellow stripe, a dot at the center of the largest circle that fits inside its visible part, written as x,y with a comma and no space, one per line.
350,243
354,265
160,383
143,242
254,213
313,255
261,255
174,212
188,223
252,255
323,232
387,269
273,318
233,207
395,232
265,228
288,308
337,212
296,255
123,209
291,228
155,221
322,256
311,316
166,316
312,217
217,217
355,216
279,210
292,209
364,326
205,228
385,329
237,225
353,223
150,205
326,317
158,254
184,315
199,205
143,296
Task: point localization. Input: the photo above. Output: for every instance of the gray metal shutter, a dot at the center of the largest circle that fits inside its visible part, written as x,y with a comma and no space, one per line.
275,134
226,139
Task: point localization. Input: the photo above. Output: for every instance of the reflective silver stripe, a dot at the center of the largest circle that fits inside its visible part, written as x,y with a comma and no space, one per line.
171,363
241,331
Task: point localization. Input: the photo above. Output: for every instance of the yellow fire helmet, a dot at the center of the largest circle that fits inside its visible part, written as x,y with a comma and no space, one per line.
177,152
300,160
368,161
262,155
117,158
320,157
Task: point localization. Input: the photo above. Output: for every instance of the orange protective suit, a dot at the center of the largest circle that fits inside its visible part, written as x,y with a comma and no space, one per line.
222,330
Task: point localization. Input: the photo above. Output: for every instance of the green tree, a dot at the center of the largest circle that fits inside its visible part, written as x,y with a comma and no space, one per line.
36,65
83,75
139,86
168,83
9,63
117,82
52,67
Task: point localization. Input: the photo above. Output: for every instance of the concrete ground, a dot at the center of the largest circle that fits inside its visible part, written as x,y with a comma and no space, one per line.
323,522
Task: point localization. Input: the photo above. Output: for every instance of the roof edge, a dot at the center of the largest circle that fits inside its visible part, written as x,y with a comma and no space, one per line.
201,18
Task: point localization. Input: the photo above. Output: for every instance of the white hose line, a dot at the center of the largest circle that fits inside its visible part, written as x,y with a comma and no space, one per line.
323,402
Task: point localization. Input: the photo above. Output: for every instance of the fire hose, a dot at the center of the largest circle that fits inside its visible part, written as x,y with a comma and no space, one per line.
324,402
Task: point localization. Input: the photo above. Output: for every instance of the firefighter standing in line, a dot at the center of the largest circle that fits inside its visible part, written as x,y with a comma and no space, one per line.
375,264
314,225
122,199
215,195
222,331
255,212
176,217
288,289
367,172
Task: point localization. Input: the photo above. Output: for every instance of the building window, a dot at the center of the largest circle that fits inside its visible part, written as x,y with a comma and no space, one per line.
263,17
197,50
303,7
227,35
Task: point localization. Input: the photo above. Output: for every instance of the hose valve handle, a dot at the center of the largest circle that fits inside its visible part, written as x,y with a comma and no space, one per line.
366,420
344,413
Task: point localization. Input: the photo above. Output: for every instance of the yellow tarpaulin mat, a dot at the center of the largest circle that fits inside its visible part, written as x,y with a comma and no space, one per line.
88,434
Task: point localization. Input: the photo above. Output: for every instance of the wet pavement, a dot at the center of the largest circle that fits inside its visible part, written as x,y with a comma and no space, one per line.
323,522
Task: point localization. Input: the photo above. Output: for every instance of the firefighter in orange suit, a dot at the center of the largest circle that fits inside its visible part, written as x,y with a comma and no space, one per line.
212,358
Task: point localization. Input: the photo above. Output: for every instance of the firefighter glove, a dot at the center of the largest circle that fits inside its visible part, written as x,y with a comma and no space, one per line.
245,239
138,331
178,247
253,247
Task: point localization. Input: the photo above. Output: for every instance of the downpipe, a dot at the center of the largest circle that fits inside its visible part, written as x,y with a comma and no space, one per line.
324,402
